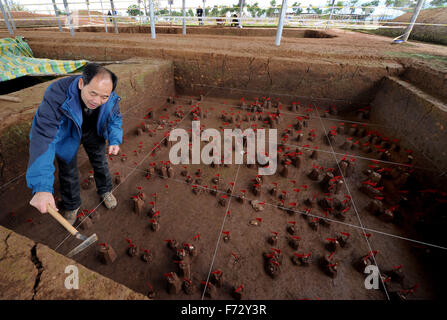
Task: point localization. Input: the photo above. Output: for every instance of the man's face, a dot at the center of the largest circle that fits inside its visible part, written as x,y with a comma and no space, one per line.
97,92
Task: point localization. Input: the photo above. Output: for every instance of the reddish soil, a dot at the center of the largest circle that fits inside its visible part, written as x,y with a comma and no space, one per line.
184,215
368,48
24,19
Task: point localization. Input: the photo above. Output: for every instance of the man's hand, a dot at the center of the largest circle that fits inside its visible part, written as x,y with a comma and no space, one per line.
41,200
114,150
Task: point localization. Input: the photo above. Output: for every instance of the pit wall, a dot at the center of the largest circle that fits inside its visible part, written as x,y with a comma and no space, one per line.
432,81
345,84
32,271
209,30
323,83
140,83
417,118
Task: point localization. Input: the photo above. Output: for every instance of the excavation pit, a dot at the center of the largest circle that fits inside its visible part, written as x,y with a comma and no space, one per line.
395,232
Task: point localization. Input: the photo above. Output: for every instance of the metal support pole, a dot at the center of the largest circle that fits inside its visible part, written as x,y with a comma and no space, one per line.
330,15
114,16
413,20
57,16
88,10
170,2
139,6
5,17
8,12
240,14
151,13
145,10
184,20
281,22
105,19
204,13
70,21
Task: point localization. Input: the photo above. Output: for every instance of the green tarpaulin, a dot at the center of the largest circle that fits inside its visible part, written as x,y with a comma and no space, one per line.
16,60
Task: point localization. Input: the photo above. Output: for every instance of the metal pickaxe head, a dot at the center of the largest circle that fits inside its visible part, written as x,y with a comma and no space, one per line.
87,242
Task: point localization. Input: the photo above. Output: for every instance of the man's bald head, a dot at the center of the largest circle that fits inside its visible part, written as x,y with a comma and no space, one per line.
96,85
92,70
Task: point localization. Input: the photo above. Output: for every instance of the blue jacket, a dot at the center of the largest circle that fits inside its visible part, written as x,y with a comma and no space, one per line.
56,130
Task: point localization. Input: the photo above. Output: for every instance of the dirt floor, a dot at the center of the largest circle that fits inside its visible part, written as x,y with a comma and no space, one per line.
204,219
200,220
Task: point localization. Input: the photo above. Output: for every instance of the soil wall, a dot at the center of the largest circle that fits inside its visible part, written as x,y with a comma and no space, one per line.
417,118
209,30
343,83
324,83
32,271
139,83
428,79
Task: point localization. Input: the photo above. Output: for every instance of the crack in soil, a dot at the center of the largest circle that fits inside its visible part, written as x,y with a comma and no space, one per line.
302,78
426,114
132,80
7,247
355,72
250,71
224,64
268,73
39,268
202,80
2,164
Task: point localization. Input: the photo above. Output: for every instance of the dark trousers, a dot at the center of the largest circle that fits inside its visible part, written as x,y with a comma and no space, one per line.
95,147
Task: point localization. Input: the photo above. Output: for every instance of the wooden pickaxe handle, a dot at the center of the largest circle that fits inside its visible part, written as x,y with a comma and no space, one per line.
10,98
56,215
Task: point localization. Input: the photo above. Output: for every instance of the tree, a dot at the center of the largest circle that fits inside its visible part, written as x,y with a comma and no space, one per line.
407,4
438,3
317,10
162,11
261,12
214,11
133,10
313,9
176,13
255,10
234,9
352,5
296,8
15,6
190,12
400,3
60,12
156,4
328,6
370,7
270,12
224,10
338,6
252,9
